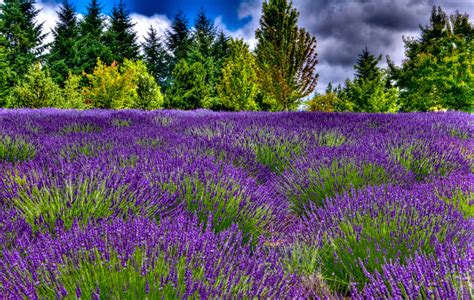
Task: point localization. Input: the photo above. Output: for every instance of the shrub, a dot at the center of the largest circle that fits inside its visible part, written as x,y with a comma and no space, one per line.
37,89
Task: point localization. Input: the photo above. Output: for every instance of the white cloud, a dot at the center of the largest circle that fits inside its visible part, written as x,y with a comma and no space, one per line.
251,9
160,22
48,17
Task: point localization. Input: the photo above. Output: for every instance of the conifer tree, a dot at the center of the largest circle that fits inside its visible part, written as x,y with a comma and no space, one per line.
286,55
156,58
370,91
22,39
204,34
91,42
121,37
178,38
366,66
64,47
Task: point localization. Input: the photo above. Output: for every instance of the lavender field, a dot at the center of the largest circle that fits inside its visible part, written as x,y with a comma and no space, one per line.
175,205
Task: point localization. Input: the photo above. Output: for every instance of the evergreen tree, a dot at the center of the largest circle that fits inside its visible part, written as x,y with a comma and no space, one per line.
204,34
238,85
91,42
437,72
21,42
63,52
286,55
121,37
156,58
366,66
178,38
189,89
370,91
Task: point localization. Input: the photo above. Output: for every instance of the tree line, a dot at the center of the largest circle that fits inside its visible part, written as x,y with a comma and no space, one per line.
97,62
437,73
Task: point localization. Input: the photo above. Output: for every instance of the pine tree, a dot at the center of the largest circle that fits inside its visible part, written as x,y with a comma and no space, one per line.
204,34
366,66
22,38
91,42
178,38
63,51
437,72
121,37
189,89
286,55
156,58
370,91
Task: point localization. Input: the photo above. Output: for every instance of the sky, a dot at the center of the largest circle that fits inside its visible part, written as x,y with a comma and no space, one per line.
342,27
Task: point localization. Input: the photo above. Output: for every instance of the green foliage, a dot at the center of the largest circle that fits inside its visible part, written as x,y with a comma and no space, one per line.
62,56
331,180
189,89
147,92
15,149
370,91
372,240
89,199
417,158
227,202
91,44
121,123
178,38
276,156
329,102
72,93
156,58
120,36
37,89
238,85
21,37
438,70
286,55
80,128
330,138
109,88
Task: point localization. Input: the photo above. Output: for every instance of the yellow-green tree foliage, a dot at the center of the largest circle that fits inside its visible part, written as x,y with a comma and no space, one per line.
147,92
126,86
36,89
238,85
72,93
328,102
108,88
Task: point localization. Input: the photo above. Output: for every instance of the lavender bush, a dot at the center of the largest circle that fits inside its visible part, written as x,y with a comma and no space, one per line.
176,204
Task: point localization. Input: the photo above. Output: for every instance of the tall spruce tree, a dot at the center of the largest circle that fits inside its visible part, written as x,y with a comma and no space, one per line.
204,34
286,55
91,42
121,37
366,66
370,91
63,53
156,58
178,38
437,72
22,40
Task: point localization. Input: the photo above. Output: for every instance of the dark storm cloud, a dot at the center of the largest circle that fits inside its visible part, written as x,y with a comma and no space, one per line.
344,27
